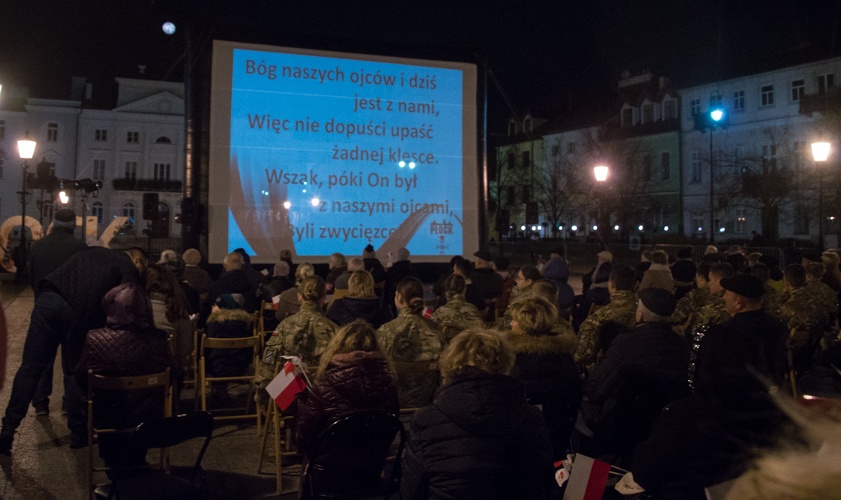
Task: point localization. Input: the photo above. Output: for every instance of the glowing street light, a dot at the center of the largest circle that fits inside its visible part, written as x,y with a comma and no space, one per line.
820,153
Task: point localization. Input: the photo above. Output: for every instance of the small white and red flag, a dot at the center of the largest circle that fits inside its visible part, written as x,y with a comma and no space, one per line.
587,480
276,301
289,382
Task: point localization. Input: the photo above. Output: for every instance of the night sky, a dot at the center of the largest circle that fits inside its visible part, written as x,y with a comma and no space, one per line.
545,55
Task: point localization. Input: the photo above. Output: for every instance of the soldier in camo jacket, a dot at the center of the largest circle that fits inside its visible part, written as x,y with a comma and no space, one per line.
456,315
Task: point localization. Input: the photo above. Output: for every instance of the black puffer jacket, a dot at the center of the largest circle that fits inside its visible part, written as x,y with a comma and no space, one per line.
129,345
372,310
229,323
354,381
545,366
478,439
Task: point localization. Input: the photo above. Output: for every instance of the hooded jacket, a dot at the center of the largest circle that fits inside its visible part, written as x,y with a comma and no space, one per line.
229,323
478,439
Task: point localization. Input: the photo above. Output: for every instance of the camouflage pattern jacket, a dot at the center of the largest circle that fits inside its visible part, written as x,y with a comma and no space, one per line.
456,316
411,338
801,314
823,296
689,305
771,301
621,310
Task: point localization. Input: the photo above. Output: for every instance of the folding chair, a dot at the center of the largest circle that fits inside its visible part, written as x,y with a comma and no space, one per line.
99,383
349,458
143,481
250,377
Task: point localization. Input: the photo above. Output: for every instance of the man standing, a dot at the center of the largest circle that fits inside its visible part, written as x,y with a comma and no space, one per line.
68,306
47,255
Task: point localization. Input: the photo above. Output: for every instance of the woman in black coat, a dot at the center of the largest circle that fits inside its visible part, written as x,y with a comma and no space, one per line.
480,438
361,302
545,365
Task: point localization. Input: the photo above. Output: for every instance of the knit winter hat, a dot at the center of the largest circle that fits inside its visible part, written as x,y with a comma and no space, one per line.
65,218
191,257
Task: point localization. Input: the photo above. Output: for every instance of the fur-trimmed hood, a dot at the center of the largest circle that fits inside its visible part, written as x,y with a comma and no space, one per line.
230,315
543,344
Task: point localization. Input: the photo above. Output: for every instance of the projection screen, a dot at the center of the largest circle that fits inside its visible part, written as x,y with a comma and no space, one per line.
319,152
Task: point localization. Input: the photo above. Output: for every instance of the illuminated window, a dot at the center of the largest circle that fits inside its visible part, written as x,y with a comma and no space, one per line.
741,220
129,211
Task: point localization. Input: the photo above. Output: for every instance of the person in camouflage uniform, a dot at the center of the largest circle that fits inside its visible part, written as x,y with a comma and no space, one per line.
409,338
713,312
304,334
773,299
456,315
692,302
800,312
618,314
822,294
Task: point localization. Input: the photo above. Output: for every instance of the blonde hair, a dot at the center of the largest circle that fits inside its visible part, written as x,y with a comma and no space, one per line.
304,270
357,335
361,285
312,288
232,261
484,350
535,315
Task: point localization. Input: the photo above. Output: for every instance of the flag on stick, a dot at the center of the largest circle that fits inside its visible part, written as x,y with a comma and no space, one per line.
587,480
290,381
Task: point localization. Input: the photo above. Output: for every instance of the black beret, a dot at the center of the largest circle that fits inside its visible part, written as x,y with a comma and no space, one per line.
658,301
486,256
746,285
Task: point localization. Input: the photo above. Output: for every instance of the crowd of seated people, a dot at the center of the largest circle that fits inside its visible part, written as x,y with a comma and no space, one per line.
667,370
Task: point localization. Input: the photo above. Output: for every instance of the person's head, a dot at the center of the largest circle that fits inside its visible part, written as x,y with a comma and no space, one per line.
462,267
409,294
337,260
830,262
64,220
717,273
360,285
403,254
286,256
753,258
547,289
355,264
814,271
743,293
484,259
128,307
659,257
139,259
761,271
526,277
246,259
710,249
534,316
357,335
557,253
311,289
167,256
305,270
160,279
794,276
232,261
621,279
604,256
192,257
368,252
501,264
476,350
455,286
656,305
684,253
646,256
281,269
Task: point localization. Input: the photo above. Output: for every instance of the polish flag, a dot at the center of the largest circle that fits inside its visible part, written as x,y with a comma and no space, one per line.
587,480
276,301
287,384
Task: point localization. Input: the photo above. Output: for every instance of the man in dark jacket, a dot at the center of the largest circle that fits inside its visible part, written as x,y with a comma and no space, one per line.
47,255
484,278
232,280
643,370
68,306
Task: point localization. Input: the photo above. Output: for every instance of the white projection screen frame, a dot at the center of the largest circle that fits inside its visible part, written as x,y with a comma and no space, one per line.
319,152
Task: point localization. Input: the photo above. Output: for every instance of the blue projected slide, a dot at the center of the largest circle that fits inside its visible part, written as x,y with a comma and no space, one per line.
327,152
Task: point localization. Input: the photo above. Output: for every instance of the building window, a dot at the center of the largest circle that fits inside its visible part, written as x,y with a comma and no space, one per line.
162,171
131,170
769,158
665,165
132,137
526,160
97,210
512,128
98,170
694,107
739,100
741,220
100,135
669,109
52,132
129,211
570,148
2,129
527,125
798,90
715,100
646,166
766,95
163,140
648,113
695,167
512,160
627,117
825,82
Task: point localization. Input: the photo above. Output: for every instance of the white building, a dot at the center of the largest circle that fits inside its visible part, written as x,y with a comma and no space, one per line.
133,146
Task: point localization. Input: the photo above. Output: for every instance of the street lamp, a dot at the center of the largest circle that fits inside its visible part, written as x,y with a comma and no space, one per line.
600,172
26,150
820,153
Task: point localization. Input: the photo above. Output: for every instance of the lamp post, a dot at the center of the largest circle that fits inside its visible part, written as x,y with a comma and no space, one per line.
600,172
26,150
820,153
